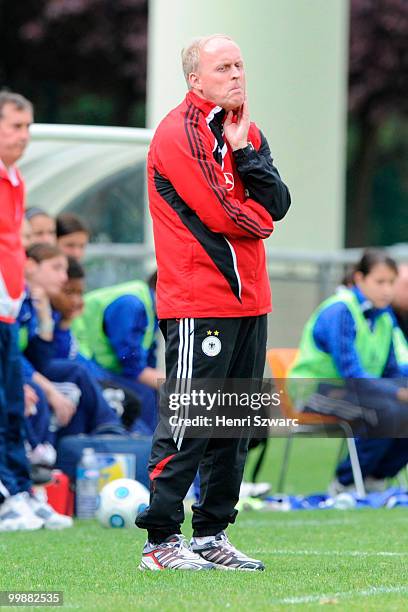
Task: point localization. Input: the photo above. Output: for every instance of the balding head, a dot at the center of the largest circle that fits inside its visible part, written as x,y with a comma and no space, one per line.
16,116
190,55
214,71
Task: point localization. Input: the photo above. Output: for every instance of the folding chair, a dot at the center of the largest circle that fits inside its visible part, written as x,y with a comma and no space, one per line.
279,361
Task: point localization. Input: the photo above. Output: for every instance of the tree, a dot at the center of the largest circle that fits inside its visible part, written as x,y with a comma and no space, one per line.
378,91
74,46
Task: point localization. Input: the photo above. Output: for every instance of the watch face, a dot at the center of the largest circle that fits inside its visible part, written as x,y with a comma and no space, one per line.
248,148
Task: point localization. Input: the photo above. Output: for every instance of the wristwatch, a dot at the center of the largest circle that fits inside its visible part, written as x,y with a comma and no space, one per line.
245,150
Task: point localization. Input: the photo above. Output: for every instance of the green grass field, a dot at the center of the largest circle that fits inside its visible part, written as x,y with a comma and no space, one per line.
355,559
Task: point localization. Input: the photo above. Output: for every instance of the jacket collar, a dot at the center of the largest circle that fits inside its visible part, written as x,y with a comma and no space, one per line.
11,174
210,110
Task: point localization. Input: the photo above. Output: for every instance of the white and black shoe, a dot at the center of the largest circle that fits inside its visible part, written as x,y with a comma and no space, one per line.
219,550
254,489
45,512
16,514
174,553
43,454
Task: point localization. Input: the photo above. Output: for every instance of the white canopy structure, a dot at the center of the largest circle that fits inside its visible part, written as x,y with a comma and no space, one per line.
66,166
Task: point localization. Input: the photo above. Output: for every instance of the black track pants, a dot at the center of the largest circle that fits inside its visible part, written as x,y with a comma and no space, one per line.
201,349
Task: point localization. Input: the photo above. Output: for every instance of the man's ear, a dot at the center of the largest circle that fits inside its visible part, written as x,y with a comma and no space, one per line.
194,80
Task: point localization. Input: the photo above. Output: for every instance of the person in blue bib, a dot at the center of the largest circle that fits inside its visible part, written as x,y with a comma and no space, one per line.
347,349
117,331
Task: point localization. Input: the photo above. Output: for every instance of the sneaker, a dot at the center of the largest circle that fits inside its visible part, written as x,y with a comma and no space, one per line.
254,489
251,503
43,454
16,514
51,518
40,475
173,553
335,488
223,554
7,525
375,485
371,485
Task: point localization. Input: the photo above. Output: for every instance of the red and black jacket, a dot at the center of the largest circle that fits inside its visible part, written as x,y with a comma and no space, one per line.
211,209
12,254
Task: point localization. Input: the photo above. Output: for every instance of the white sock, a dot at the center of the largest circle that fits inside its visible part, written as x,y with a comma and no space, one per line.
204,539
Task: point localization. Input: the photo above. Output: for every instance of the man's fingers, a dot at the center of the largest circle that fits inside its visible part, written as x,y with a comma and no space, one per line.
228,119
245,109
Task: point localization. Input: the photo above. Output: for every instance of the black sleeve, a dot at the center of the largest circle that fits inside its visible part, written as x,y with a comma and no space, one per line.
262,180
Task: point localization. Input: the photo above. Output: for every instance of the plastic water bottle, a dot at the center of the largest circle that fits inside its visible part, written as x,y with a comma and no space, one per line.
87,484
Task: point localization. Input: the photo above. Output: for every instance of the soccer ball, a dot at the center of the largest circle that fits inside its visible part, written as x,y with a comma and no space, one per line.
120,501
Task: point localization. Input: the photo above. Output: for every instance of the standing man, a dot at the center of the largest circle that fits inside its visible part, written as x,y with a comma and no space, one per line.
214,195
19,509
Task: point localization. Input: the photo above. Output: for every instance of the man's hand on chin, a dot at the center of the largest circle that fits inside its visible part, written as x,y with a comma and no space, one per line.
236,132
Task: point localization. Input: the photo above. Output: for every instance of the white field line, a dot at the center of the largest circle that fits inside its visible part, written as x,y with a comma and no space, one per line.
333,553
328,597
296,522
349,520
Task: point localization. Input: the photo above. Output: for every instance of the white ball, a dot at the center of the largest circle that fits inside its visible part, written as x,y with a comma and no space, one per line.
344,501
120,501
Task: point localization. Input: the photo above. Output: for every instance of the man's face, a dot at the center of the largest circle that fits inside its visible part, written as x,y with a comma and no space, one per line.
220,77
14,133
69,301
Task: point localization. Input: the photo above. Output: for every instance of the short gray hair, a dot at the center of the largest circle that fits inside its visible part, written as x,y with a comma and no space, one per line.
19,101
190,56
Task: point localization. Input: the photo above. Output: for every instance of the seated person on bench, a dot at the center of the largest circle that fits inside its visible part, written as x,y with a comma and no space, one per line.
349,338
